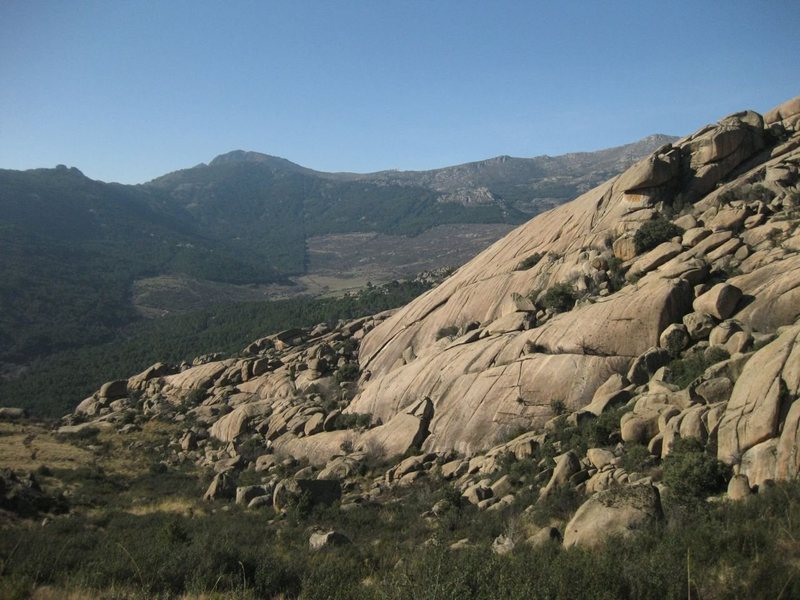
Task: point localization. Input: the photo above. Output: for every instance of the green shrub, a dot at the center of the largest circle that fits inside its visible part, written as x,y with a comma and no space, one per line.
174,533
591,433
691,473
352,421
529,262
559,298
449,331
685,370
560,504
347,372
637,458
616,275
652,233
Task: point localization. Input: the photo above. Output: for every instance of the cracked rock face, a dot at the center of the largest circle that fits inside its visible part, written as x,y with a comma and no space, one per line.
763,395
494,380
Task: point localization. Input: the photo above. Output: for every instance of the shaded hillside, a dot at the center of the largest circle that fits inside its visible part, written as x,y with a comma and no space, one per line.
51,387
264,206
73,247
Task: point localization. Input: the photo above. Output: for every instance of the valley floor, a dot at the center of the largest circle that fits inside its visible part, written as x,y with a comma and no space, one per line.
337,263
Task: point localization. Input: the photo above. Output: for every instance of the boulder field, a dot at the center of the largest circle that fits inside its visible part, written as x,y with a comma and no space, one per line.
688,260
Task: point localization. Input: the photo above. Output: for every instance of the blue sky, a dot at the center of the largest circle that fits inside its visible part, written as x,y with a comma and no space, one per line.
127,91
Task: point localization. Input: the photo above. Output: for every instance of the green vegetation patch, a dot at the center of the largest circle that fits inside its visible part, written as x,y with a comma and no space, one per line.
685,370
56,385
560,298
530,262
449,331
691,473
728,550
655,232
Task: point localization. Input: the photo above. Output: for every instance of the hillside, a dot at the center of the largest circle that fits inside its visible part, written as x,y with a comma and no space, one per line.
602,404
73,246
83,259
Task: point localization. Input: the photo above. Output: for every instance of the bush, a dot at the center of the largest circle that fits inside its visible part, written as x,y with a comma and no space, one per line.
450,331
559,298
685,370
748,193
652,233
174,533
529,262
352,421
560,504
691,473
637,458
558,407
347,372
616,275
591,433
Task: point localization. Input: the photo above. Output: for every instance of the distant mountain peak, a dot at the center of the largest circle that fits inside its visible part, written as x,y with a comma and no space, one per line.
248,156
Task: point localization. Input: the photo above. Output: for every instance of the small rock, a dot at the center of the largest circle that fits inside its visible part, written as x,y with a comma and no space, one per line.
645,365
8,413
546,535
320,540
221,487
502,544
699,325
600,457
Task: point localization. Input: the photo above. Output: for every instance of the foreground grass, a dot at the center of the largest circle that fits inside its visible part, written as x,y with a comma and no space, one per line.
135,531
725,550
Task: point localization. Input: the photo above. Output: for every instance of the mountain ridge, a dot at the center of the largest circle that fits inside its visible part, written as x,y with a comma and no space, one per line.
252,156
245,218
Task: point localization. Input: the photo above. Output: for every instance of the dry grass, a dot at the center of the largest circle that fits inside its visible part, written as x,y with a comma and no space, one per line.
47,592
28,446
182,506
120,459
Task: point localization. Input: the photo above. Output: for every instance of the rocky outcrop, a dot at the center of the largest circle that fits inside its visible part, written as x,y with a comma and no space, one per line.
232,425
505,367
579,316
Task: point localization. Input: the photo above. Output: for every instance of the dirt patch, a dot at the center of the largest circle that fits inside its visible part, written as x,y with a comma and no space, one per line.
380,258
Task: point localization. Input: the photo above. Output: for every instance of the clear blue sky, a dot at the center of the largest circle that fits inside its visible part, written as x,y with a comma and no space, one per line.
127,91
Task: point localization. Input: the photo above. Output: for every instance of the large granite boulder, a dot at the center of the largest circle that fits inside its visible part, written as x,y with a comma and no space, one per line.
615,512
761,398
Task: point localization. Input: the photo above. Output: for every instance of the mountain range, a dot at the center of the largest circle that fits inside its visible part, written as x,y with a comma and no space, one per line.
83,258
